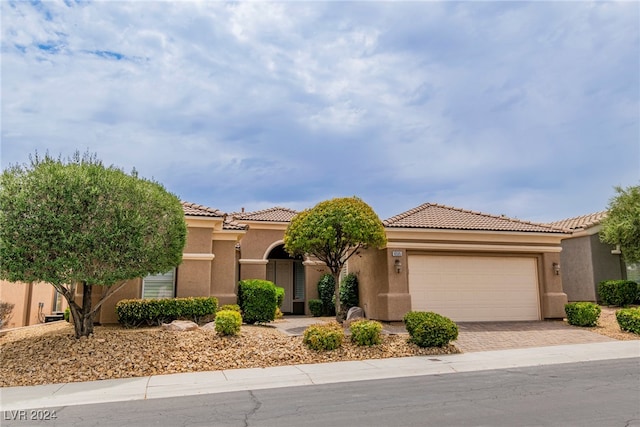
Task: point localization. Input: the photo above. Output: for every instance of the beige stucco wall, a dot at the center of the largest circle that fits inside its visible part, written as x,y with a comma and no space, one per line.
26,299
131,290
223,283
384,293
553,297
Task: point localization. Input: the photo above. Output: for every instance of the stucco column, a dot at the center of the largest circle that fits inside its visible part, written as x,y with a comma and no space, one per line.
553,297
395,301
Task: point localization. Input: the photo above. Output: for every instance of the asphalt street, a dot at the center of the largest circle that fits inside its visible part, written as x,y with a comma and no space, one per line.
600,393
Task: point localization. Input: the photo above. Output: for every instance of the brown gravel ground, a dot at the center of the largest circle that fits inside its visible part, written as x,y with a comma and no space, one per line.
608,325
50,354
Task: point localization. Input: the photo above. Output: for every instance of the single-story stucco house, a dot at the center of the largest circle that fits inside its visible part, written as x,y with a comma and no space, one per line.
586,261
466,265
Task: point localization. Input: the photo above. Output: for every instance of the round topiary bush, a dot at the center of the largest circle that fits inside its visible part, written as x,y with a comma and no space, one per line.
582,313
325,336
629,319
228,322
366,332
428,329
413,318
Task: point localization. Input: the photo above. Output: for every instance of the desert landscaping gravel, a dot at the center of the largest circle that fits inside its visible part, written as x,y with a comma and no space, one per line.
49,353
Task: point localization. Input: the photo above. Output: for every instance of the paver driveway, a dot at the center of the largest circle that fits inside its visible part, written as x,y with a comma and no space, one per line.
481,336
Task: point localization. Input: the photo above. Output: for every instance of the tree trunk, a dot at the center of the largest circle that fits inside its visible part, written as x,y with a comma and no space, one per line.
82,316
336,278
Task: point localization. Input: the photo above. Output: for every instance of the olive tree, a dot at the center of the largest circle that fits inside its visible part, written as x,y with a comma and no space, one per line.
333,231
622,224
76,222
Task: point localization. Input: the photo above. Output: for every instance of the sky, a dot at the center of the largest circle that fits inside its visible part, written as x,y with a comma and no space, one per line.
524,109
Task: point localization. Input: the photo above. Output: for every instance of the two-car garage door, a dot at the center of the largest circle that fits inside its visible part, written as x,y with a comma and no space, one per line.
475,288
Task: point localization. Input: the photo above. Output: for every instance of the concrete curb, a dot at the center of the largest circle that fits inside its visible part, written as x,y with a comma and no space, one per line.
196,383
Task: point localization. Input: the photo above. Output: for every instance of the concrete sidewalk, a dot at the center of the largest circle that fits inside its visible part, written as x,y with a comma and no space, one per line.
175,385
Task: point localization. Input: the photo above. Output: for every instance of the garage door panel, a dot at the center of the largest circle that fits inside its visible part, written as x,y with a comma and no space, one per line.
475,288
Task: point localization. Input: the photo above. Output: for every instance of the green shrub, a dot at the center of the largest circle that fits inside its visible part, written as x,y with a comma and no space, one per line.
366,332
67,314
618,292
257,300
232,307
326,293
349,292
228,322
327,336
428,329
138,312
629,319
582,313
316,307
413,318
279,296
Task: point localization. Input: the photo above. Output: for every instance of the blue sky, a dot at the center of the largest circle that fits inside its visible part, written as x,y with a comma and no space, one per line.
530,110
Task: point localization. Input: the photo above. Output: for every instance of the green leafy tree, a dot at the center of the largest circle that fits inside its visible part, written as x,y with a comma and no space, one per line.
78,223
622,224
333,231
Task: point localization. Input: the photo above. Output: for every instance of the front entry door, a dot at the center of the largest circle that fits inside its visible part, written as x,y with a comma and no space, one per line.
280,272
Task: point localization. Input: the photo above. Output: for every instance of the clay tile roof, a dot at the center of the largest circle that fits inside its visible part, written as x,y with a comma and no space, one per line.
580,222
230,224
193,209
275,214
436,216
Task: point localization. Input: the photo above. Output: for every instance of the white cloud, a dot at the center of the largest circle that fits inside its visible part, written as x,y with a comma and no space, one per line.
527,109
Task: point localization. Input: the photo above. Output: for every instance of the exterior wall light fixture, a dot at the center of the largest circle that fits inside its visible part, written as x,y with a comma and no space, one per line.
556,268
398,265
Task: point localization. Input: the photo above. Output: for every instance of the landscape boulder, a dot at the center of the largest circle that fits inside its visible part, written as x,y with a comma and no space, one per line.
180,326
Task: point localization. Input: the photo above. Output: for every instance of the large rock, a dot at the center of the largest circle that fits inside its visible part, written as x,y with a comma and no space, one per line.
355,313
211,326
180,326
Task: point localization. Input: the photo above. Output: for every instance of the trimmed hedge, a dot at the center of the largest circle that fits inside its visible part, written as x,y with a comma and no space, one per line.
228,322
619,293
321,337
326,293
366,332
138,312
258,301
316,307
582,313
629,319
428,329
349,292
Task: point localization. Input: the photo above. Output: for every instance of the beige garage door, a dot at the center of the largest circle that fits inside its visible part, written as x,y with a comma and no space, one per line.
475,288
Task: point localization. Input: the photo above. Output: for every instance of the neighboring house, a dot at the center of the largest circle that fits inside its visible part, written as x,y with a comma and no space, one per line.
466,265
586,261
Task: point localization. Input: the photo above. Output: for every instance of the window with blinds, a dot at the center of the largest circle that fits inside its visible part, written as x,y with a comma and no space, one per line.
159,285
298,275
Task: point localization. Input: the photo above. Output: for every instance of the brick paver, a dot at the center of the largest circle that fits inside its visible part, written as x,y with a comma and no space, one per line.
483,336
